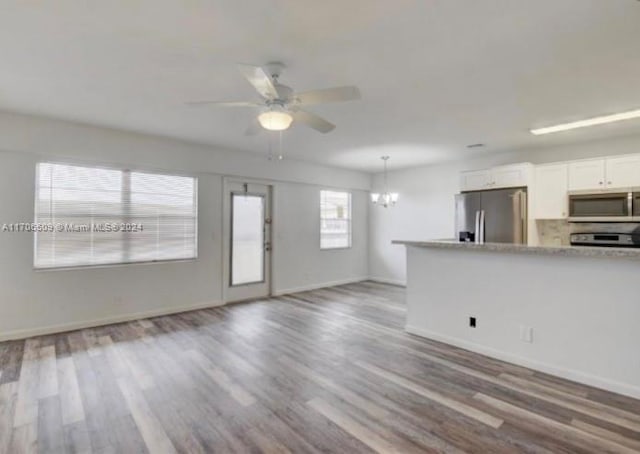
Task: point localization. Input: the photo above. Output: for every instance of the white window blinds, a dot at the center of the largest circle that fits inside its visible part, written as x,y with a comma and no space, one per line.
335,220
96,216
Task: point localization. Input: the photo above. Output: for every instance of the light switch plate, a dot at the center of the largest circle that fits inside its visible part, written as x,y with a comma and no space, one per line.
526,334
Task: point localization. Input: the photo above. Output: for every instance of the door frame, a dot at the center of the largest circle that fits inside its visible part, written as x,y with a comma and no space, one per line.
227,182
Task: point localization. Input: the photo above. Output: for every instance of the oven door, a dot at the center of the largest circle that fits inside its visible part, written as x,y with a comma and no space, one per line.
636,206
601,207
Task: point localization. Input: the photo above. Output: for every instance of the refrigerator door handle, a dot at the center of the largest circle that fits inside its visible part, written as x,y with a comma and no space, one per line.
520,218
477,227
481,233
525,216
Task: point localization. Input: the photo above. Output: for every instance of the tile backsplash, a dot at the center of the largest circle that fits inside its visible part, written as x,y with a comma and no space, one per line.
556,232
553,232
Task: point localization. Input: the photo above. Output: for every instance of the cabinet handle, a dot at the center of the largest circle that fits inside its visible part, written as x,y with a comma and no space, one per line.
601,182
609,183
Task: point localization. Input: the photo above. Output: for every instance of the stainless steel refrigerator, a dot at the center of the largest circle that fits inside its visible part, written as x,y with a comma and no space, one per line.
495,216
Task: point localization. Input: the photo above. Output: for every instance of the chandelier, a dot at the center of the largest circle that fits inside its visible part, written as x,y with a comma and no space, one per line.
386,198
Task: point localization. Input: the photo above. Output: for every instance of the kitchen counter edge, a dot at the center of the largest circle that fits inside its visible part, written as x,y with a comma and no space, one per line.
567,251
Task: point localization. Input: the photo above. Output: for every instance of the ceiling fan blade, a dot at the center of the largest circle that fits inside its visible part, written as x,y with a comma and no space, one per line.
312,120
253,128
260,80
224,103
337,94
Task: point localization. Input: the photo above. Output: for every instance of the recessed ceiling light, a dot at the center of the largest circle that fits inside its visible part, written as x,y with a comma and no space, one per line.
590,122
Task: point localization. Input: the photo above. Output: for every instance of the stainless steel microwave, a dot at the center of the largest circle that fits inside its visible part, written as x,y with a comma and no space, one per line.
610,206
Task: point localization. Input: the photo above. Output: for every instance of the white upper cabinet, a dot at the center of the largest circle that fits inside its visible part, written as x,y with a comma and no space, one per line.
510,176
550,191
588,174
623,172
611,173
498,177
475,180
554,180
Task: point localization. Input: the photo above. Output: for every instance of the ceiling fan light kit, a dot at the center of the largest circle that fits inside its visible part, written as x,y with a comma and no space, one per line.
275,119
386,198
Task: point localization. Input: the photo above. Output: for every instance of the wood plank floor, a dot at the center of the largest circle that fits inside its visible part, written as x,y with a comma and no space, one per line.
328,370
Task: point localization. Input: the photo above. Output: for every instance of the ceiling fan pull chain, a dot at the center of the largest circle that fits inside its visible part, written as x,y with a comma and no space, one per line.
280,155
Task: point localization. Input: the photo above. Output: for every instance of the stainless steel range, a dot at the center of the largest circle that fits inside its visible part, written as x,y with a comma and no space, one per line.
606,239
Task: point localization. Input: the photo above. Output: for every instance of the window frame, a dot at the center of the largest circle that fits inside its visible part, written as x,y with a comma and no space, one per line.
124,169
349,219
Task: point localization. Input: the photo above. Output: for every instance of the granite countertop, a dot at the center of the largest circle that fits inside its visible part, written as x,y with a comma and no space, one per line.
567,251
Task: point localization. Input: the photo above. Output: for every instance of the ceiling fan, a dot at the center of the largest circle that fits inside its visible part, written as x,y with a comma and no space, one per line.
280,105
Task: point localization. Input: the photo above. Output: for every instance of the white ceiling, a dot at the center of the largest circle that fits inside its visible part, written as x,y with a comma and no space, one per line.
435,75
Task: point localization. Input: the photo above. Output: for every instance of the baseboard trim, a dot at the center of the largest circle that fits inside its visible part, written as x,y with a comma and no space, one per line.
54,329
62,328
307,288
384,280
569,374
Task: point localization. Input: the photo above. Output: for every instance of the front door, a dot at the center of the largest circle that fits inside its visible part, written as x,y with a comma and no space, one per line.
248,240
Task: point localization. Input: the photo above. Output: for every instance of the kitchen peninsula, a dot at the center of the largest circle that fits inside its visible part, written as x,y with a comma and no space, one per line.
572,312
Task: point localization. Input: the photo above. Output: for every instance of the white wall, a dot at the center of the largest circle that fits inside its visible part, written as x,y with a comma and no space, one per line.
297,241
34,302
582,330
426,206
80,142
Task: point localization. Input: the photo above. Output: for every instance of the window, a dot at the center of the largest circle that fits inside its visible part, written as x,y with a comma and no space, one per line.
96,216
335,220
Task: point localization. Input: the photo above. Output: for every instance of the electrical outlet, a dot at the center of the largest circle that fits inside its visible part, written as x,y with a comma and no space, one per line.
526,334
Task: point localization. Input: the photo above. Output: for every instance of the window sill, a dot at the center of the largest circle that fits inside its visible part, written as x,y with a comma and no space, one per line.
112,265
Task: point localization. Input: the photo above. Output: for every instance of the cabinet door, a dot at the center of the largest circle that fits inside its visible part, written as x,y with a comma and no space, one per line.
550,191
509,177
623,172
586,175
475,180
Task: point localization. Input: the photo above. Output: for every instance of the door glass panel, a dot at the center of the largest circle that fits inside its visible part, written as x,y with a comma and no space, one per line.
247,239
